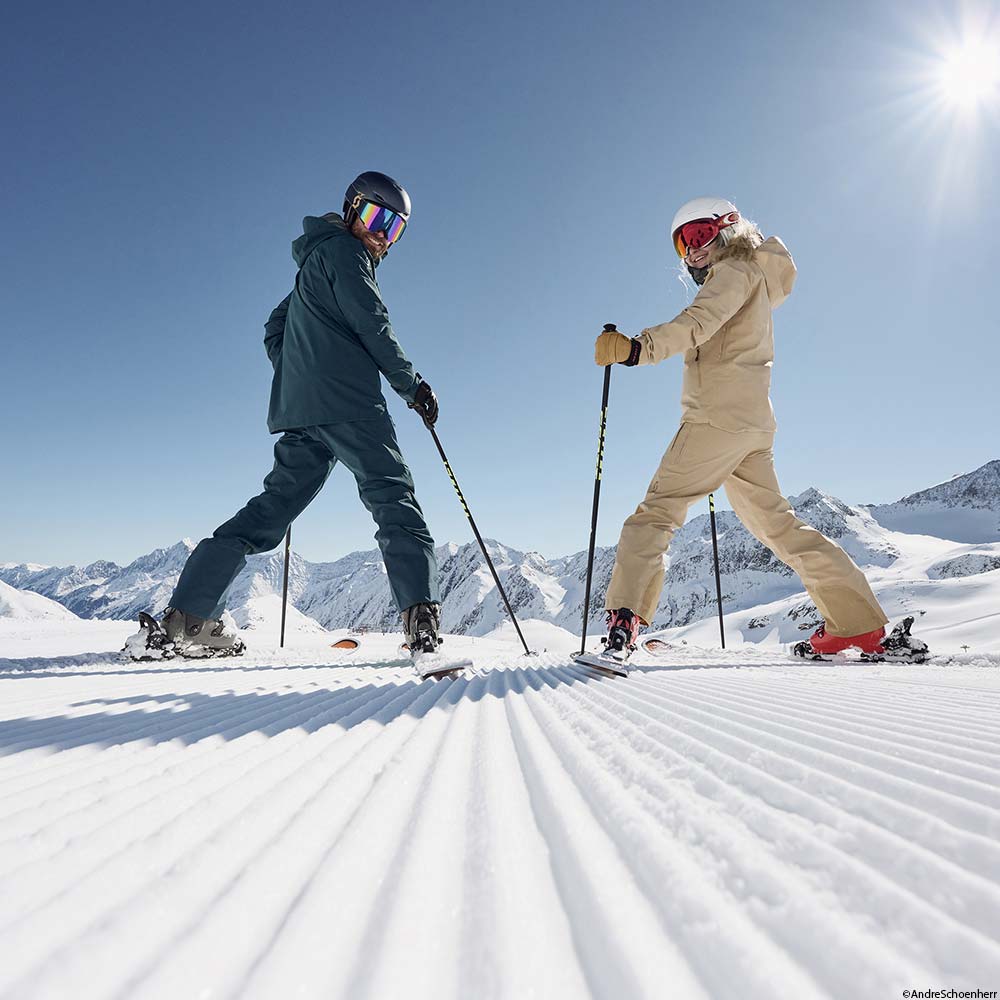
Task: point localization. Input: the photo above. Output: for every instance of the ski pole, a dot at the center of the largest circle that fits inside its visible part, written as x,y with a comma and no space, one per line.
284,586
609,328
715,553
479,538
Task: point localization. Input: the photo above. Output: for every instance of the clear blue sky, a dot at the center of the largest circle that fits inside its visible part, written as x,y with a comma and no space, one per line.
159,159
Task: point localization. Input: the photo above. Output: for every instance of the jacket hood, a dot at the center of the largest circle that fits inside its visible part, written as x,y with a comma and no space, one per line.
772,257
776,262
316,230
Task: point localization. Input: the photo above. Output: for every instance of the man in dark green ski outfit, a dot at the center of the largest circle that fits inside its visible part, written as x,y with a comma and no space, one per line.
329,341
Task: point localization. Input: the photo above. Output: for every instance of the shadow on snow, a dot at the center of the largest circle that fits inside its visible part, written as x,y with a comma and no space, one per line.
190,717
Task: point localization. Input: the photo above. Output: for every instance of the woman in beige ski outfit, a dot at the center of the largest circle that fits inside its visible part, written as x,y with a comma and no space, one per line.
726,436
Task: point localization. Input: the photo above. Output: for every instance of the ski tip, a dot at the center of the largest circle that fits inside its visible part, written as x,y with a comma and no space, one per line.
439,670
605,664
655,646
345,644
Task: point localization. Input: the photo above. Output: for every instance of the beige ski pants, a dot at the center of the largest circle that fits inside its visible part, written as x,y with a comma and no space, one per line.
700,459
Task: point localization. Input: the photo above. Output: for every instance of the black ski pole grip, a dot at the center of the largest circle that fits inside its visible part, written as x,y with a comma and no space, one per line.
610,328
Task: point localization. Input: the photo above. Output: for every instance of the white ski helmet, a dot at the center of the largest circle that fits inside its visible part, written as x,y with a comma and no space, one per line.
704,208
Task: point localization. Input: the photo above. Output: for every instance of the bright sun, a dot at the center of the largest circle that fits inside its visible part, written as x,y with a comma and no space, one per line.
968,75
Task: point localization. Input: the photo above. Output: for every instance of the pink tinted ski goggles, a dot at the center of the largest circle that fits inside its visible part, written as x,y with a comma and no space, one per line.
700,232
377,219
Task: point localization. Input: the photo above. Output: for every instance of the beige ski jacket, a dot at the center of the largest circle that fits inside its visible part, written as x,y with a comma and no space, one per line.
727,337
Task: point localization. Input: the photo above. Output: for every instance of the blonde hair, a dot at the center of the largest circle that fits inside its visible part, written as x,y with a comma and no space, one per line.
745,228
746,232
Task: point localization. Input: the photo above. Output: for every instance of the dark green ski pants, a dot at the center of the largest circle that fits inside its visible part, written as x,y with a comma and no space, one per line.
303,459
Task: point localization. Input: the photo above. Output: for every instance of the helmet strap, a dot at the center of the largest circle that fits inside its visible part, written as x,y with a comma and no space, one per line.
351,209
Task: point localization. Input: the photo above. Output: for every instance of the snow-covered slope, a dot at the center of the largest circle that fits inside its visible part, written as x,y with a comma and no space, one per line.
25,606
305,823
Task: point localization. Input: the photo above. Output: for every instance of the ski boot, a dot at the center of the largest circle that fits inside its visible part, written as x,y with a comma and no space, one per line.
623,633
181,634
619,644
901,647
194,637
821,645
422,622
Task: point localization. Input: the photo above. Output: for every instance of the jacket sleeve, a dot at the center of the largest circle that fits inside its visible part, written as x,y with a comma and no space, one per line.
360,301
720,298
274,330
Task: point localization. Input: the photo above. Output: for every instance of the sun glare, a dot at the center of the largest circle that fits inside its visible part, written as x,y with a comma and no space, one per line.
968,76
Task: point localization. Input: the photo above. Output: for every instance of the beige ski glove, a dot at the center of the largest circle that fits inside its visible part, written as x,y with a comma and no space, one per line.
615,348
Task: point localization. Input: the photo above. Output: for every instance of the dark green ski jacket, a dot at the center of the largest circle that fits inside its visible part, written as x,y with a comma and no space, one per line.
330,338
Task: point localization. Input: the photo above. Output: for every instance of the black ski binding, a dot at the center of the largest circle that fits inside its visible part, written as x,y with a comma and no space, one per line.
805,650
900,646
156,645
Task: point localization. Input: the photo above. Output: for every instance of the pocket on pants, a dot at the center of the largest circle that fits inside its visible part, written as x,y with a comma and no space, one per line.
671,457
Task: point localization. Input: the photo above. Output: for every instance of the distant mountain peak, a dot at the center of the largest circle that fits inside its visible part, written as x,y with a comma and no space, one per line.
978,489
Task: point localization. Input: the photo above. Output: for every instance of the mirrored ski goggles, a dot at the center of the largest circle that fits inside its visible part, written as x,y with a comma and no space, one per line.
699,233
377,219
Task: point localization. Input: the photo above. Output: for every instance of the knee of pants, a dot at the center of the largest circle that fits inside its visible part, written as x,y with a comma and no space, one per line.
394,506
656,517
386,493
251,543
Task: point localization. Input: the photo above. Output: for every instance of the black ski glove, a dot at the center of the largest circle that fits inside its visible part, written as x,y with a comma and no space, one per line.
426,404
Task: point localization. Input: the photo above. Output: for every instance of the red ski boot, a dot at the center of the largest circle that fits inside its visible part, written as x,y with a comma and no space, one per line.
623,632
821,643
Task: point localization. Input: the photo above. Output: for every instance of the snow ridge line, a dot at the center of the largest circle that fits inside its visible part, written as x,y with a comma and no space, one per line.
339,778
825,739
225,727
387,959
889,703
910,798
325,908
829,712
783,830
719,943
190,835
616,927
959,846
179,766
563,834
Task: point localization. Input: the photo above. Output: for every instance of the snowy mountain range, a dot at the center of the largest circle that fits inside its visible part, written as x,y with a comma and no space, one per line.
943,533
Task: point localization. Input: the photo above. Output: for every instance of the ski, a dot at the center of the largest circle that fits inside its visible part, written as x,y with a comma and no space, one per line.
429,663
655,647
434,666
605,661
346,644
